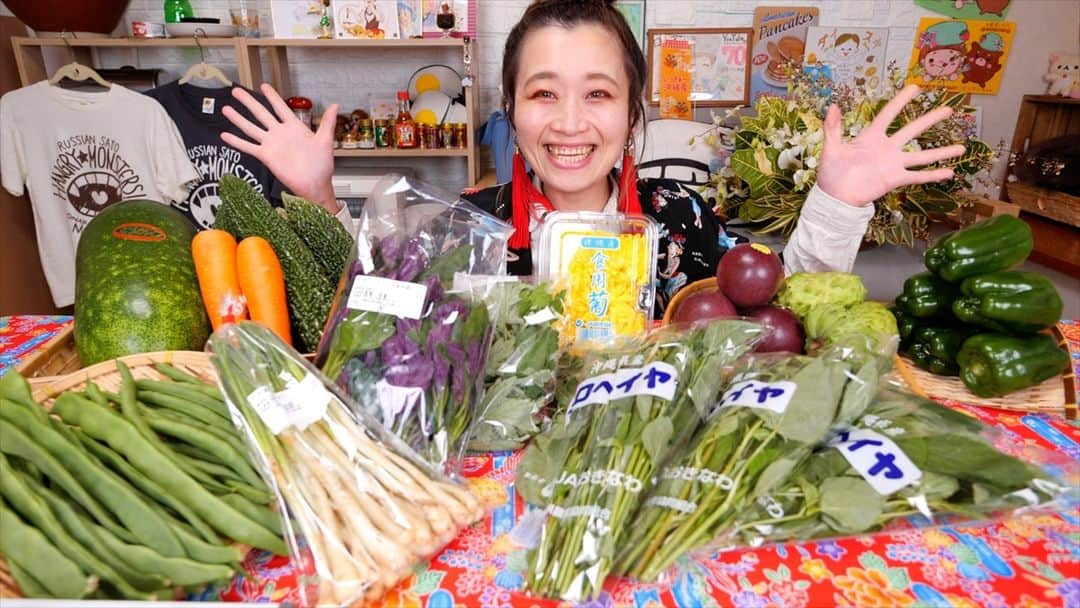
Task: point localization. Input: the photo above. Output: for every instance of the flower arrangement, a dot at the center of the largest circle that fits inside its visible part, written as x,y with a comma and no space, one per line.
769,161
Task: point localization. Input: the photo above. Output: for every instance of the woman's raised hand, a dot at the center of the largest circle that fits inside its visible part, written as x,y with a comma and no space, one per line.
301,160
867,167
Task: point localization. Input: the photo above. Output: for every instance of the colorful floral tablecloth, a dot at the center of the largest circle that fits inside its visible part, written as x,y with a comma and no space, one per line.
21,335
1030,560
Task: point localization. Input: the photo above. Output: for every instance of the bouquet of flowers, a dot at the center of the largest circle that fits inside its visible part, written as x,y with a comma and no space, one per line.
769,161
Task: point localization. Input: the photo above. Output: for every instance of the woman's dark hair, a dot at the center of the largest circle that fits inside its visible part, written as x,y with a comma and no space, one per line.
568,14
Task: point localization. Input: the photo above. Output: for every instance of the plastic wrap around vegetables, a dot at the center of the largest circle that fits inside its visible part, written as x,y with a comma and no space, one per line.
407,348
360,503
628,405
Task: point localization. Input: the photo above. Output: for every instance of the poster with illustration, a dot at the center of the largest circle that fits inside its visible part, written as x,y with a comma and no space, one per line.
676,61
980,10
410,14
852,57
961,56
373,19
634,13
463,11
779,43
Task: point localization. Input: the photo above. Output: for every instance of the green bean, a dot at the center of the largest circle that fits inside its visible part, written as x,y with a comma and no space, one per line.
79,528
121,435
203,394
128,405
178,374
223,434
191,451
183,406
20,495
219,472
205,552
180,570
256,512
224,453
147,485
256,495
18,443
93,391
28,585
26,546
16,389
100,482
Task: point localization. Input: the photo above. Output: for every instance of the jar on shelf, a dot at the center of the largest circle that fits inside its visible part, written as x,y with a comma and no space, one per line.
461,135
365,136
384,135
301,106
446,135
405,131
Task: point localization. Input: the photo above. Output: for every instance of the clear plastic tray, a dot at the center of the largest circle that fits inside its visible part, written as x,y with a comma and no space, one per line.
607,264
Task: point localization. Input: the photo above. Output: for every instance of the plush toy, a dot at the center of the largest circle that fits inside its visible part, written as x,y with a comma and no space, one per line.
1064,75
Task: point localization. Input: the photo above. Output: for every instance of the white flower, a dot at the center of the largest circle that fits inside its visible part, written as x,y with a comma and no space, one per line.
789,158
804,178
811,162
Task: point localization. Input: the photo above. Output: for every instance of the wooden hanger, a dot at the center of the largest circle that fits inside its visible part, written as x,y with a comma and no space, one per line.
76,71
203,70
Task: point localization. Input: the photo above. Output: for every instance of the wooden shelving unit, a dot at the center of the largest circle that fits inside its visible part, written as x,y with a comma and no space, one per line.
30,62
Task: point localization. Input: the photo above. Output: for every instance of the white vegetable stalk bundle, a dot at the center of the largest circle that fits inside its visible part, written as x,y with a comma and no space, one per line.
363,505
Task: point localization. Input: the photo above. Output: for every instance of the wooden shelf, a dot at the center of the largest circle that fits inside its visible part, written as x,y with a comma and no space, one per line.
394,152
357,43
126,42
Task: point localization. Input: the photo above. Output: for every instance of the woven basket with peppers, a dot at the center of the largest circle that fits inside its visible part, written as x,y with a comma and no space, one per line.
971,315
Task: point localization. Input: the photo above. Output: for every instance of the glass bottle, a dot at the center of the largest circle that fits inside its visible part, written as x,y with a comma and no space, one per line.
176,10
404,125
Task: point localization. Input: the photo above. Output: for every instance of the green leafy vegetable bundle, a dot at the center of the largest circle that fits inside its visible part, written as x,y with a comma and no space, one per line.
768,421
629,405
520,377
955,471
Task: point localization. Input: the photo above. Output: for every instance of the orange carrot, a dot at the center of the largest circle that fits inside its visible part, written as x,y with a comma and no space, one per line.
263,284
214,253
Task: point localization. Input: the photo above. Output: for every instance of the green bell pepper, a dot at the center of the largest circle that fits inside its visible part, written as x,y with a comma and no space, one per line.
934,348
992,365
927,296
1009,301
993,244
905,326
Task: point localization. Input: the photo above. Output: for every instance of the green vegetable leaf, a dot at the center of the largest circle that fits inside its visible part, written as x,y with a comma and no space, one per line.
656,437
446,265
777,471
851,504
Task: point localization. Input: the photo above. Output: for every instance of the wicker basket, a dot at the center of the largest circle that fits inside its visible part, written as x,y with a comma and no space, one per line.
708,284
1054,396
106,376
56,358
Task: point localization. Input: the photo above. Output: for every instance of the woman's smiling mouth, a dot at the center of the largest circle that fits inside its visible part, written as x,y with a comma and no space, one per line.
569,155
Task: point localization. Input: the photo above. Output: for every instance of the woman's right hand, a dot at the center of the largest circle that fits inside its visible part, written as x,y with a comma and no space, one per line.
301,160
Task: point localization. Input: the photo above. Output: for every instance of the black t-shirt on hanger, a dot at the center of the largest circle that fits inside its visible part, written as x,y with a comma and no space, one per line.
197,113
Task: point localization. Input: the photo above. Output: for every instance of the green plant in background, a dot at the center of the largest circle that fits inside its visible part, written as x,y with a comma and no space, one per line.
772,158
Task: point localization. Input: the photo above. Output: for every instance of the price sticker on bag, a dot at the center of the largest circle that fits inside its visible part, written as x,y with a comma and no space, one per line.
877,458
299,404
387,296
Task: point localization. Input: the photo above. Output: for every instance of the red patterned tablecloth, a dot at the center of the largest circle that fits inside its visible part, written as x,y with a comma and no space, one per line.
1028,561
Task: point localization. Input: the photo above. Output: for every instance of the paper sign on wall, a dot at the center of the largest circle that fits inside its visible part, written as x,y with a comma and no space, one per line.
851,57
961,56
779,42
984,10
676,60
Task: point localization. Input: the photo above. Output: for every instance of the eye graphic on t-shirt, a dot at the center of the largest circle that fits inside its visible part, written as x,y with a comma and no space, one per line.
203,202
92,191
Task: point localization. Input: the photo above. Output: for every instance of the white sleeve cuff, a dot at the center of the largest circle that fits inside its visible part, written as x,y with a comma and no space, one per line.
345,218
827,236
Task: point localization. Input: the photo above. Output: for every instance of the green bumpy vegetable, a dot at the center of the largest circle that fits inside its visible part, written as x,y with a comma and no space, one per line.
831,323
993,244
992,365
1009,301
934,348
328,240
927,296
804,290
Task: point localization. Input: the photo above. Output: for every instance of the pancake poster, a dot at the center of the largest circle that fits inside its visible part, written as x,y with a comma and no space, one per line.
961,56
779,44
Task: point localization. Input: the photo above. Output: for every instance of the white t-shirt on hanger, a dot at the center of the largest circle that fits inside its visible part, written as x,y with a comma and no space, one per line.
78,152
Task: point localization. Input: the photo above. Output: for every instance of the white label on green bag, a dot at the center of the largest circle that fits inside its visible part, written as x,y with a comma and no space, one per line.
298,405
877,458
390,297
657,379
544,315
772,396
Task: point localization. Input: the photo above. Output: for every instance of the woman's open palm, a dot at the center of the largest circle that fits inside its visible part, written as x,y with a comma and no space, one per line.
301,160
867,167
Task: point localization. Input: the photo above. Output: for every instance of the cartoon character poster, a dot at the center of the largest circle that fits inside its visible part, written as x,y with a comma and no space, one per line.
366,19
982,10
779,43
848,56
962,56
676,60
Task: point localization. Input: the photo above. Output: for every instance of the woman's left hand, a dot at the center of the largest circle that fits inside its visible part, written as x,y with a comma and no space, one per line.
866,168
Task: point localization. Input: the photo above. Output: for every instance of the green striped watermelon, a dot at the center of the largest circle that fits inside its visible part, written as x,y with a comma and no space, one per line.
135,284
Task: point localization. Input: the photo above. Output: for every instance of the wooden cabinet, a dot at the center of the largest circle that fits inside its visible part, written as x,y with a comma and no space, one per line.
249,60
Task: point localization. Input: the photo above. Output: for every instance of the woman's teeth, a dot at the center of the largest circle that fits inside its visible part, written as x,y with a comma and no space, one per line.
570,154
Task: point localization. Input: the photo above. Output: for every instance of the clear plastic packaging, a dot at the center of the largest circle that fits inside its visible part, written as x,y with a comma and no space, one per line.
403,340
519,382
624,409
363,509
607,265
776,408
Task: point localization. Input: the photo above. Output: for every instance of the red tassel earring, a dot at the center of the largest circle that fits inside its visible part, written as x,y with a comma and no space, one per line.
519,193
628,196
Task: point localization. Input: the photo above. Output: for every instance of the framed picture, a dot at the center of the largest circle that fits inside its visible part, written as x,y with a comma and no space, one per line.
720,73
374,19
634,13
464,12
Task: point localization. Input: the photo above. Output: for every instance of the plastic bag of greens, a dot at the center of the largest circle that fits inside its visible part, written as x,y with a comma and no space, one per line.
768,420
363,508
905,456
625,408
519,382
401,341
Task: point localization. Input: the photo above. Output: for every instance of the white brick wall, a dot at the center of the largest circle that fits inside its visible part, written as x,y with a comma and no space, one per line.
347,77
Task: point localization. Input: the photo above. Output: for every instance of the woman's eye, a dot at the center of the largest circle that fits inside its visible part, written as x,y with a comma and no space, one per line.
542,95
599,94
